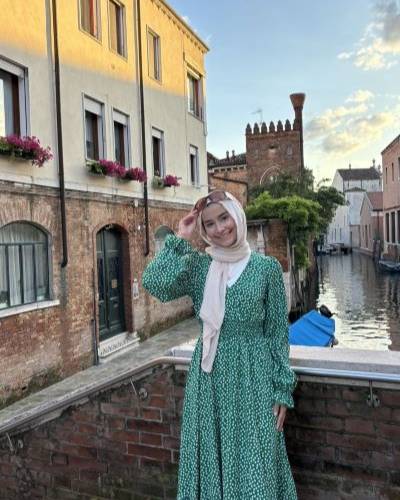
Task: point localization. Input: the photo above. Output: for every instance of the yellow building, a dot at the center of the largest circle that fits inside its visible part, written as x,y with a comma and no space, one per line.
94,80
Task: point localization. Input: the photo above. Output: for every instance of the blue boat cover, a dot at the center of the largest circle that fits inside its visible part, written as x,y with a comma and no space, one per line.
312,329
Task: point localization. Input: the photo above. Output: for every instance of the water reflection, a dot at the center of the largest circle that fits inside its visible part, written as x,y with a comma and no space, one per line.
366,301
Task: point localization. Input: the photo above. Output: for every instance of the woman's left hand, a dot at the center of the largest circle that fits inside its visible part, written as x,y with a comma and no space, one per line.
280,414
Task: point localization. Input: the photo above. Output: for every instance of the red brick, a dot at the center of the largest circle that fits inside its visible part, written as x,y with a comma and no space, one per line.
148,452
358,426
150,439
145,426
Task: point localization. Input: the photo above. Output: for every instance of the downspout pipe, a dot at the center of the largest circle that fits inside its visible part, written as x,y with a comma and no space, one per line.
143,132
60,150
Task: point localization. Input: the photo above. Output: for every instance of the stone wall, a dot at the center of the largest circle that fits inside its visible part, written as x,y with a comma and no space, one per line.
118,445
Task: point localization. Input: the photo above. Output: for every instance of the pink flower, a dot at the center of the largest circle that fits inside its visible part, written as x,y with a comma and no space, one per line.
171,180
30,146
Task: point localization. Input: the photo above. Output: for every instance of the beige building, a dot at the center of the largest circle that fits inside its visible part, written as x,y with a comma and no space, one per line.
109,86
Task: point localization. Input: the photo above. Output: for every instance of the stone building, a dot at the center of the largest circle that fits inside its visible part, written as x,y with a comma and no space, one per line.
371,224
344,229
270,150
93,80
391,198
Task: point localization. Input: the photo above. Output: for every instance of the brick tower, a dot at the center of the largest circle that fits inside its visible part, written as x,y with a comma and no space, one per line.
275,149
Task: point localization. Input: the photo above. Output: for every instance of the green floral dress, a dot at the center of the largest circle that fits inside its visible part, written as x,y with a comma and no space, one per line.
230,448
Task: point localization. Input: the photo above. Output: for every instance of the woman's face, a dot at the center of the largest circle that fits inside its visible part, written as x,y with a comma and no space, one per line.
219,225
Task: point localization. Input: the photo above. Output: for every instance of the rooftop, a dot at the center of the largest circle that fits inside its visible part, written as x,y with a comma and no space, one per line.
376,199
359,174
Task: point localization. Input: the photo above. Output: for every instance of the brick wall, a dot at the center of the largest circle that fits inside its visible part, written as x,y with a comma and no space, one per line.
227,181
65,331
269,153
120,446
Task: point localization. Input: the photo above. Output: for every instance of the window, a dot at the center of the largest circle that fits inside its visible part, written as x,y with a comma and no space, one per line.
24,265
398,167
194,94
13,99
121,138
94,133
154,55
116,14
393,226
392,172
158,152
387,235
386,177
398,226
194,166
89,17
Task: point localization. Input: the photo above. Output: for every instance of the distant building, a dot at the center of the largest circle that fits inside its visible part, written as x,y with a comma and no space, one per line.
270,150
353,183
371,223
391,198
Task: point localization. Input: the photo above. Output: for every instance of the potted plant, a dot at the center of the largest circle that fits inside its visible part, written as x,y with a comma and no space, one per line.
114,169
28,148
166,181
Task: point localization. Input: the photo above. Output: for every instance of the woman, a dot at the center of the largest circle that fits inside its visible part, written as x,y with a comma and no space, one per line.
239,382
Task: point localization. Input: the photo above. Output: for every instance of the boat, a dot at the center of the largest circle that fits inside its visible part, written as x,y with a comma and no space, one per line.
389,265
315,328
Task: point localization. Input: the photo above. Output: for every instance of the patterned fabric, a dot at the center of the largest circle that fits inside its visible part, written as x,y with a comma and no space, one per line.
230,448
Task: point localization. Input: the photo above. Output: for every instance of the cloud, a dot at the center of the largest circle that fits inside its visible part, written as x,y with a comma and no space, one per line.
357,134
353,126
379,48
360,96
333,118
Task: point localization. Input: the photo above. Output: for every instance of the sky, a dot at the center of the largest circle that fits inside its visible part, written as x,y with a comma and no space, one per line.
344,55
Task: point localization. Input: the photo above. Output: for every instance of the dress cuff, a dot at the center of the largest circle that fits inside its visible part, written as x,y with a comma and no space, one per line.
179,245
284,398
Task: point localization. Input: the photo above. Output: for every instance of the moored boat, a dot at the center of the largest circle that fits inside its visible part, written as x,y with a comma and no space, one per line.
389,265
315,328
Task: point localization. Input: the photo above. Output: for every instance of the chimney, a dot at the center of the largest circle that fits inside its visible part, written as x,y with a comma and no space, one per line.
233,153
298,103
349,166
227,155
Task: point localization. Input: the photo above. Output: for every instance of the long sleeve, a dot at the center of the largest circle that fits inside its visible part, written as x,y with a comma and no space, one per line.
277,331
169,275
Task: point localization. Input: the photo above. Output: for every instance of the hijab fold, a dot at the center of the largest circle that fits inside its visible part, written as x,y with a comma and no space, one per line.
212,310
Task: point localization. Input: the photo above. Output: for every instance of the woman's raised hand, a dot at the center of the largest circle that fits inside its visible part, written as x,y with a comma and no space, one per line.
187,225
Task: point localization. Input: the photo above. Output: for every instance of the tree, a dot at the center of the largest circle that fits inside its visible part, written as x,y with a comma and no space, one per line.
294,200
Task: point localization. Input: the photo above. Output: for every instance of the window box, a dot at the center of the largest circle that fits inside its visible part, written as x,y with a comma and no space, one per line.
167,181
114,169
26,148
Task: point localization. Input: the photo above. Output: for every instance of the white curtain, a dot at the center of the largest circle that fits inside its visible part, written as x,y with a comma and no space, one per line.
26,246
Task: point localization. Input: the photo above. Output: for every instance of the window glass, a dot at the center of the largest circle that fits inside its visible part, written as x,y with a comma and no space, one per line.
194,165
117,35
158,152
24,267
153,50
194,94
94,142
9,104
89,17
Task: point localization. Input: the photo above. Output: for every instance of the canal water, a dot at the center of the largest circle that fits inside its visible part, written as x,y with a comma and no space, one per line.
365,300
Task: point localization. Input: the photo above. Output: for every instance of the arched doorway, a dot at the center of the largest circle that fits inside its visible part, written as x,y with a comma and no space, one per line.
109,282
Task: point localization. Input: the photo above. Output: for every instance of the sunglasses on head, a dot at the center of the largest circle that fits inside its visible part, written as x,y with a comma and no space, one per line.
213,197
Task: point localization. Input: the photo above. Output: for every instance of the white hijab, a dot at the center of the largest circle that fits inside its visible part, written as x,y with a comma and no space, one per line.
212,310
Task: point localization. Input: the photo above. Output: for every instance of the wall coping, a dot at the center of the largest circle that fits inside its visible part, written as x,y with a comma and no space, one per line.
137,363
